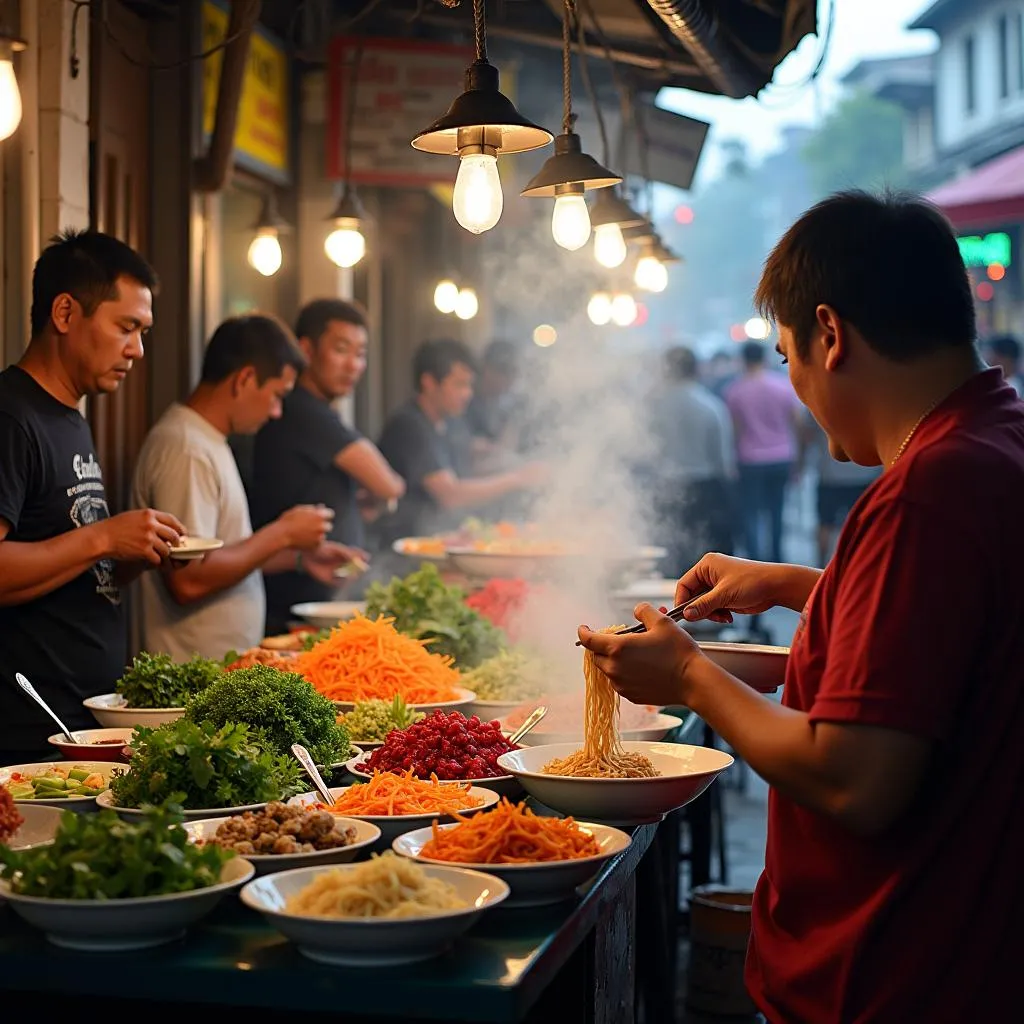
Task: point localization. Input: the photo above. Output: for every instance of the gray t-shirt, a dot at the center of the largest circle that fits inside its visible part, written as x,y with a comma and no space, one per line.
693,433
832,473
186,468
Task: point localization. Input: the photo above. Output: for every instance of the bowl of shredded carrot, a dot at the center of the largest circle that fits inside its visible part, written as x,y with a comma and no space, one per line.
368,659
399,803
542,859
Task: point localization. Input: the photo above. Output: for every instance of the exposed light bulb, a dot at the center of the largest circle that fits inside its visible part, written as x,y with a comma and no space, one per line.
265,252
570,222
477,202
544,336
623,309
446,296
345,245
757,328
10,95
467,306
609,245
651,274
599,308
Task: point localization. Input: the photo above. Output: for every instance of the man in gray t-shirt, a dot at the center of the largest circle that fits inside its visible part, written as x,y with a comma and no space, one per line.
216,605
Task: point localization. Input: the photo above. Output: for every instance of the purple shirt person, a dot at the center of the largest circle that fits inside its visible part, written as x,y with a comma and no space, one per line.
765,413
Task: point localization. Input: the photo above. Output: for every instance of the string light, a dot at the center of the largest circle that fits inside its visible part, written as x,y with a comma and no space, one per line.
446,296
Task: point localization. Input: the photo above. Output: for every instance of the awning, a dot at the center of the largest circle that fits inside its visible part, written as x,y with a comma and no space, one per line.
989,196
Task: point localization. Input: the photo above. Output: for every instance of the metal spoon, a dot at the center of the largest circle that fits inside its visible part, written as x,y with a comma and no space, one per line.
302,756
34,694
534,717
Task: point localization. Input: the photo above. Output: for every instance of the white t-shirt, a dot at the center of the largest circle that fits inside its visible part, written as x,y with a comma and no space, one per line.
186,468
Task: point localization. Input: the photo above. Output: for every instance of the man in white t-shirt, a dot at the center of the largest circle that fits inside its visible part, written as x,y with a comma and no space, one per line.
218,604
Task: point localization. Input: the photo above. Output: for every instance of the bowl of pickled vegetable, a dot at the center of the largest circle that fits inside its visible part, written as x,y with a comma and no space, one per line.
73,785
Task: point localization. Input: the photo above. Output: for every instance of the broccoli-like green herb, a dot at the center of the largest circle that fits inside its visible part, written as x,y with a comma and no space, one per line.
281,708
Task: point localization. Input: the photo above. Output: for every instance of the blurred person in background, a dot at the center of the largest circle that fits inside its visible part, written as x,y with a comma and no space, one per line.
217,605
891,890
839,487
1003,350
416,442
766,415
720,371
310,456
495,409
694,464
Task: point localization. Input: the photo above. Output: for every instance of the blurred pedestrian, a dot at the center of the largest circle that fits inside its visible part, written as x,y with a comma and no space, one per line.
766,415
694,464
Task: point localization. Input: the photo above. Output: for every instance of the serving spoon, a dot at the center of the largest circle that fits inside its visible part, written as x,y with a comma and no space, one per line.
302,756
532,719
34,694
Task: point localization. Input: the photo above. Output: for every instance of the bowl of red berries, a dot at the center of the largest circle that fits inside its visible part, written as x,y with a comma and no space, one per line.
449,745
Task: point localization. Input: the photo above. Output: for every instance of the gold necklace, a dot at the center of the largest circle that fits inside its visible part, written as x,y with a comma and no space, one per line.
913,430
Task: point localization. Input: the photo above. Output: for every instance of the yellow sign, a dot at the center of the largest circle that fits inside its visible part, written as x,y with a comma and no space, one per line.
261,138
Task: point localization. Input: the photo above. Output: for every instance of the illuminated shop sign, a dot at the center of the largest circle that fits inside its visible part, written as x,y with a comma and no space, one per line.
985,250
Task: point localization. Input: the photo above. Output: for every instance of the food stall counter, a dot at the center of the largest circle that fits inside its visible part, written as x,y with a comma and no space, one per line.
572,962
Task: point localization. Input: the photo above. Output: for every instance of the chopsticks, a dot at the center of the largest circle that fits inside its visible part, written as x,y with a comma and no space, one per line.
675,614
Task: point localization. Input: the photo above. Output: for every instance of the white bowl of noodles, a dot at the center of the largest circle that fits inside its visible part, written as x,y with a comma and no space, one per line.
360,941
684,773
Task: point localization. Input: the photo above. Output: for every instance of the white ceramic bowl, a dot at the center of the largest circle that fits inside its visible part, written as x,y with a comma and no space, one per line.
660,727
494,710
192,548
759,666
405,545
87,746
503,785
366,834
114,926
390,826
106,802
71,803
463,698
327,614
373,942
38,827
531,885
112,712
686,771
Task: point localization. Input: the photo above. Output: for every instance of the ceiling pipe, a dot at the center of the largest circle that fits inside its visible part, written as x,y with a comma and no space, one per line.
212,169
694,24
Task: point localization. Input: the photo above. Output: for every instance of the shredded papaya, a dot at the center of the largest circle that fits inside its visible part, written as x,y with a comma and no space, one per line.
510,834
387,794
368,659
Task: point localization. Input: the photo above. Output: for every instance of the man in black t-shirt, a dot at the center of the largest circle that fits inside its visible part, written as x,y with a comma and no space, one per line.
311,457
63,559
415,441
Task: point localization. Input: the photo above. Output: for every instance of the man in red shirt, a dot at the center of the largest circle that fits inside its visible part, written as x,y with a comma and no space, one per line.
893,888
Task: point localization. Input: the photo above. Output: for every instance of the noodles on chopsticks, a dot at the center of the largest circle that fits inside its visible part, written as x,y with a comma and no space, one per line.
602,756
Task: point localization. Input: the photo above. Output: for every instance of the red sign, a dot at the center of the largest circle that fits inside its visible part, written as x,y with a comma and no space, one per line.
402,87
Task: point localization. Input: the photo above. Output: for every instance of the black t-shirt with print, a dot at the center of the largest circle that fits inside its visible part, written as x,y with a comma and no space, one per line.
293,464
71,642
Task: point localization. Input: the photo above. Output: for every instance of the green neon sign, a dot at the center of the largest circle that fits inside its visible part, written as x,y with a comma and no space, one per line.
984,250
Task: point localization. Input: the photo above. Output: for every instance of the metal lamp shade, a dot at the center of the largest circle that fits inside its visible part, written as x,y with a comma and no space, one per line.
481,116
349,206
610,208
569,166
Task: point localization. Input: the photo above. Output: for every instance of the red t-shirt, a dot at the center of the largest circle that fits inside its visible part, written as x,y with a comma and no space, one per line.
917,625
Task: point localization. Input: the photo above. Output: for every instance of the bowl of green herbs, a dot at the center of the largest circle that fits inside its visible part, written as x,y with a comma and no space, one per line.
153,691
370,721
208,771
105,885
